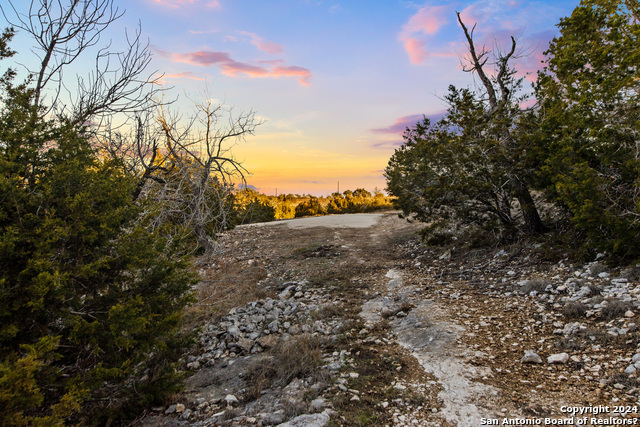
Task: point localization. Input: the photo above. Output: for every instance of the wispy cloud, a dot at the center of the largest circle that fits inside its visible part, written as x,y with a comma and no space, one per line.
426,22
264,45
400,125
177,76
233,68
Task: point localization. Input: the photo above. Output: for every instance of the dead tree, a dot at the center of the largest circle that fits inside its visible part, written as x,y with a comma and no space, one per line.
187,169
500,101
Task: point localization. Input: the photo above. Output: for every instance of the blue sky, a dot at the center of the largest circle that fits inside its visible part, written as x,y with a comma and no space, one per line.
336,82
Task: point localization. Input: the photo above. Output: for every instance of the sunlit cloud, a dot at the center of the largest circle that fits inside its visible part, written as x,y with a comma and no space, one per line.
400,125
426,22
233,68
178,76
264,45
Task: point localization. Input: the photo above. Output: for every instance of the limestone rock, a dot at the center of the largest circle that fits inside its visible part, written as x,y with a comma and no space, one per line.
530,357
558,358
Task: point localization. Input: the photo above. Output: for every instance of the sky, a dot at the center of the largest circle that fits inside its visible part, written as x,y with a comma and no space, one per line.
334,83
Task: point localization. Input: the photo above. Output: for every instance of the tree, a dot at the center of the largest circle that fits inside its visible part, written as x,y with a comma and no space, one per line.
589,123
62,33
470,167
90,297
90,300
186,167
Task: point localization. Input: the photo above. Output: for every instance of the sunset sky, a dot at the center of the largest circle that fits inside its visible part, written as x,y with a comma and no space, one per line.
336,82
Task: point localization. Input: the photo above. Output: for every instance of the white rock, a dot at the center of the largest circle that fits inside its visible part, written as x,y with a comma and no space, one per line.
231,399
530,357
180,408
558,358
630,369
629,313
636,358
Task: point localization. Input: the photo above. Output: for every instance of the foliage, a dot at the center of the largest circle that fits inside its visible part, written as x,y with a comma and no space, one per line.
470,168
251,206
90,300
310,207
589,128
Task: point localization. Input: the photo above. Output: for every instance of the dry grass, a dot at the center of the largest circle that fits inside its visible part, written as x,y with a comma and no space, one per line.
230,284
574,310
538,285
615,309
299,357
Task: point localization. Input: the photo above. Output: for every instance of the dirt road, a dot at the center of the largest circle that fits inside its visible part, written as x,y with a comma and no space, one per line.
387,331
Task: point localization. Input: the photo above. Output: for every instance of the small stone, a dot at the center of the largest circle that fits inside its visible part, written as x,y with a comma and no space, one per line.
231,399
530,357
354,374
629,313
354,398
171,409
558,358
245,344
180,408
636,358
234,331
630,369
384,404
317,404
186,414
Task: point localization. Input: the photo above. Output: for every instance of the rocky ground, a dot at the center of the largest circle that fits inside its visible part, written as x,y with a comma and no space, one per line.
334,325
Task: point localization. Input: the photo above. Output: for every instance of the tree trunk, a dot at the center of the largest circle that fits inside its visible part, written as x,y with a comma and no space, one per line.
532,222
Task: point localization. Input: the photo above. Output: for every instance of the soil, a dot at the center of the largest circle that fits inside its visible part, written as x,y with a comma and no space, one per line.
435,335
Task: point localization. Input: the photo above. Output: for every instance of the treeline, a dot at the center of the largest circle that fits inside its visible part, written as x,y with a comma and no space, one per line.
252,206
569,164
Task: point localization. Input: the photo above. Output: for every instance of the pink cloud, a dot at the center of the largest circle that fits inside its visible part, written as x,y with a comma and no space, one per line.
416,49
203,58
185,75
264,45
428,20
471,15
230,67
424,23
304,75
404,122
234,68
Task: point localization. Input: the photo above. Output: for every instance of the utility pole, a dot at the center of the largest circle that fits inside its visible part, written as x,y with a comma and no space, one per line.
276,192
338,187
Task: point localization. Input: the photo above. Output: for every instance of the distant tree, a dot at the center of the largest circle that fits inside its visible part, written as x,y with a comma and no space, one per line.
310,207
589,123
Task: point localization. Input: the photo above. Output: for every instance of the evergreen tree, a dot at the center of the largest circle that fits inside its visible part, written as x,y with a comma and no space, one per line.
589,129
90,301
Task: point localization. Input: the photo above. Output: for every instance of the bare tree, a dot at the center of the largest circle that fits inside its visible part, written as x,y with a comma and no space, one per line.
501,104
186,168
63,31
